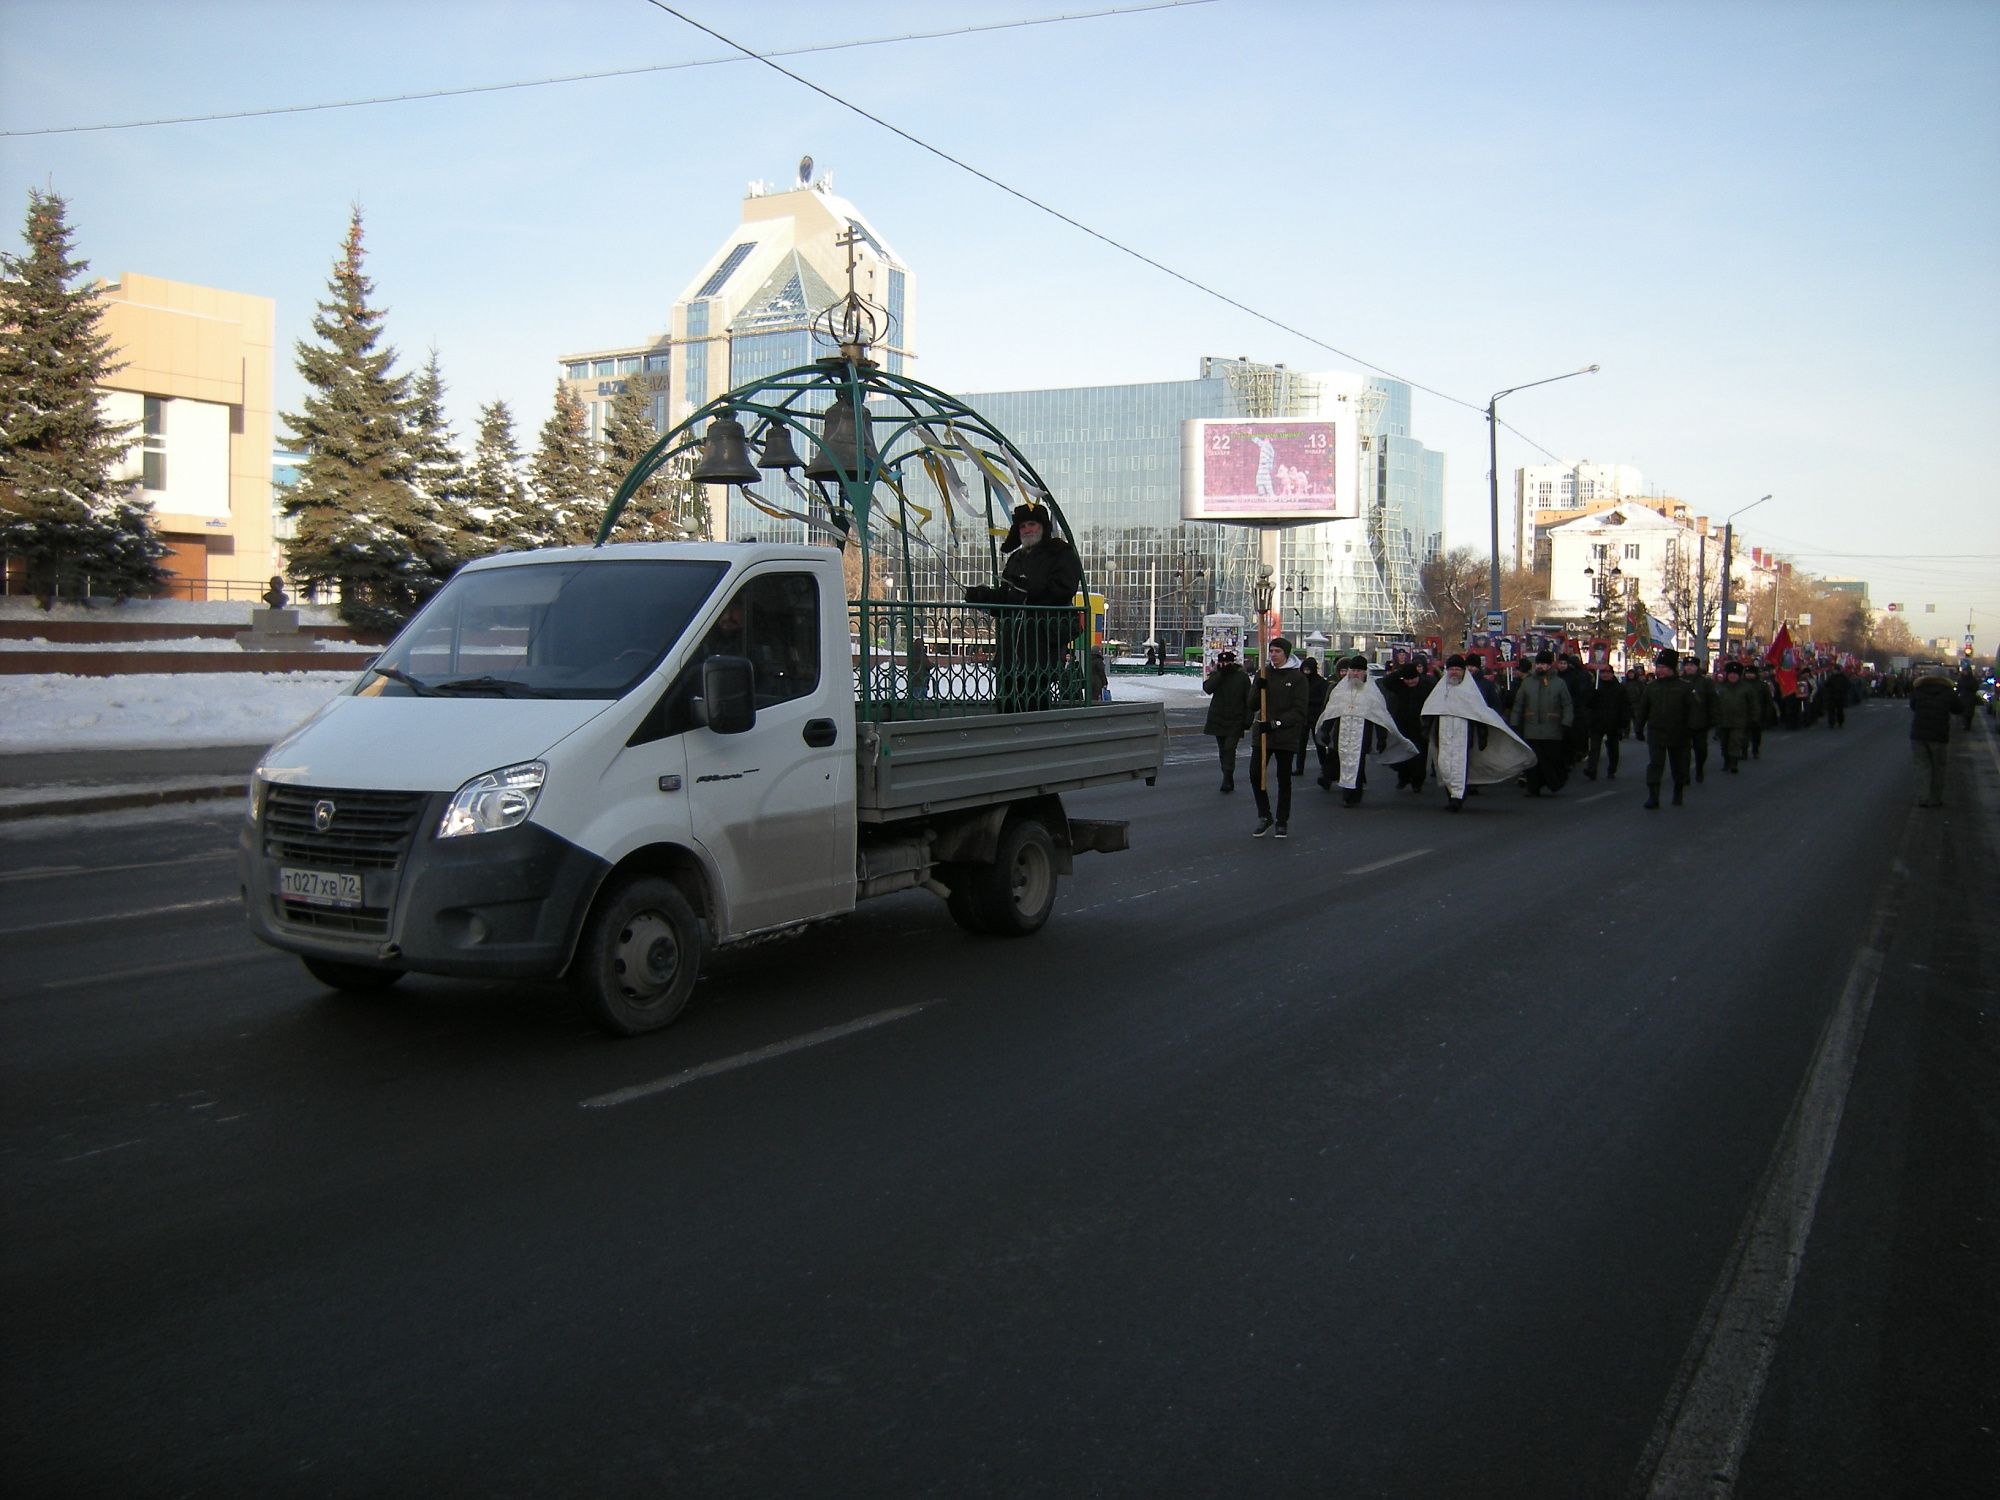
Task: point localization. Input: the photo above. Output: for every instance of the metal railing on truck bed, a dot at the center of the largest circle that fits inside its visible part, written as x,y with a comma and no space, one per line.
921,661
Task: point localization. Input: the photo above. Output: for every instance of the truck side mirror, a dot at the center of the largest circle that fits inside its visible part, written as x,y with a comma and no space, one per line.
728,703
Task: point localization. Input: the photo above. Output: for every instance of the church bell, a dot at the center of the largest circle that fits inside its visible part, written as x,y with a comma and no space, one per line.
725,455
839,453
778,450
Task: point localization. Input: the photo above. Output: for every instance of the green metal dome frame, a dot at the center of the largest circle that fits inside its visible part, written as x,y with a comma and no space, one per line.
916,428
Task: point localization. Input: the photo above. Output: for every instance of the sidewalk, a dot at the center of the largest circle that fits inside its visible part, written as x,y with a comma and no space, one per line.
45,784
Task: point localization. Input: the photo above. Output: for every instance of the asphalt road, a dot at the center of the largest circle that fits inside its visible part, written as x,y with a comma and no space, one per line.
1403,1158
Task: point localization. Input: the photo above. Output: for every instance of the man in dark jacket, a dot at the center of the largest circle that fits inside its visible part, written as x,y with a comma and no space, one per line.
1767,707
1582,689
1229,711
1607,718
1405,691
1042,571
1317,687
1932,705
1737,704
1835,694
1281,727
1666,720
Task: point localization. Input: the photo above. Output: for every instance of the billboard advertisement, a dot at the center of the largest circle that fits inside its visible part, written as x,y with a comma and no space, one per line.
1267,469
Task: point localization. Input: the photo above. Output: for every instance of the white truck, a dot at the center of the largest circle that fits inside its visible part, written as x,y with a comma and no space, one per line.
601,762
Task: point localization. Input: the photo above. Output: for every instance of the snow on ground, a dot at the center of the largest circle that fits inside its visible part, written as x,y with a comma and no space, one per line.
140,710
184,643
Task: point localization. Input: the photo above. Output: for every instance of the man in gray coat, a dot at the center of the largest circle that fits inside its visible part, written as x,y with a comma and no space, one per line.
1543,711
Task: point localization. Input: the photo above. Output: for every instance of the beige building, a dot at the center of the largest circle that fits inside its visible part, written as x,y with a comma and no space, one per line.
196,385
1544,519
748,311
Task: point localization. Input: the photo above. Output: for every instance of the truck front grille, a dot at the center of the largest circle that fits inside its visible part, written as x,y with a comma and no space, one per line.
365,830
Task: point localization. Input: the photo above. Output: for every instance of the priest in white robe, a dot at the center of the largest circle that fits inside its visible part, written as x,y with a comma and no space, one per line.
1470,744
1356,725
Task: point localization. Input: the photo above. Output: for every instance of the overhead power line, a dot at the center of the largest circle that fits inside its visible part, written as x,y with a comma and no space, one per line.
1078,224
542,83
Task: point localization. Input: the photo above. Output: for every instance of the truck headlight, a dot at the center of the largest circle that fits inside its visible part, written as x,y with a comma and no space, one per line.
499,799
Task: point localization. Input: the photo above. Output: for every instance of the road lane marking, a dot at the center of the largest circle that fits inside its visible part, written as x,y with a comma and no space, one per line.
155,971
1704,1428
101,1150
120,916
44,871
746,1059
1383,864
1586,801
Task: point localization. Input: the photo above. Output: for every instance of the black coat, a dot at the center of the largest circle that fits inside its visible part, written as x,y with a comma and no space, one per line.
1284,706
1232,700
1933,702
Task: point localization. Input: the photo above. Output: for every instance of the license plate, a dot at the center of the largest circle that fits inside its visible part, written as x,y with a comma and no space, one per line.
320,887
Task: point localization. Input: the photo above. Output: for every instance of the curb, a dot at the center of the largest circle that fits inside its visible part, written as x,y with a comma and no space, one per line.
67,802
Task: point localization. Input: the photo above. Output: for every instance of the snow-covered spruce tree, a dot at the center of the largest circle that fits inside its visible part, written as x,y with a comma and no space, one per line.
658,511
354,503
499,503
568,487
445,536
65,518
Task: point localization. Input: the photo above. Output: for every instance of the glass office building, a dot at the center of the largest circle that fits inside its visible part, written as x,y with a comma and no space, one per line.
1112,456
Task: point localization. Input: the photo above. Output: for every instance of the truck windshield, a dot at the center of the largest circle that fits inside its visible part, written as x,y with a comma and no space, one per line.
570,629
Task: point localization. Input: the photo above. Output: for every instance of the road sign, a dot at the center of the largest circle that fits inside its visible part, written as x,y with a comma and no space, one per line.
1496,622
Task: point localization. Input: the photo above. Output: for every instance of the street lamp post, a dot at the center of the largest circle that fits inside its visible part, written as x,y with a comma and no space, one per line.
1493,469
1728,566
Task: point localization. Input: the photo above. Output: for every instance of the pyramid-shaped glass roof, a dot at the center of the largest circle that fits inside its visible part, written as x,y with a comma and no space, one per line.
789,298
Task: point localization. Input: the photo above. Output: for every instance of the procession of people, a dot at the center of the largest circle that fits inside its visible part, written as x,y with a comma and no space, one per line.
1531,726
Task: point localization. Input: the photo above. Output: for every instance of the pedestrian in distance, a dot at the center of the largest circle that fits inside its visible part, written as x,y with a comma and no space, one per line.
1355,724
1666,719
1836,693
1767,707
1317,687
1230,709
1933,705
1469,743
1607,718
1737,705
1543,713
1704,714
1582,692
1968,694
1404,691
1280,728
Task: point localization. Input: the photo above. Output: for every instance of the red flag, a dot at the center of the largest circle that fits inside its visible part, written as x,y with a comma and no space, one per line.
1781,659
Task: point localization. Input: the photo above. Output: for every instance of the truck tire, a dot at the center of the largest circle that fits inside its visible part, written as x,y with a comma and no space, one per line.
355,979
1014,895
639,956
962,903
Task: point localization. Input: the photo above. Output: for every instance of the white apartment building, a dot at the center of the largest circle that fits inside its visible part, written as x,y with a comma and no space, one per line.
1573,484
1638,542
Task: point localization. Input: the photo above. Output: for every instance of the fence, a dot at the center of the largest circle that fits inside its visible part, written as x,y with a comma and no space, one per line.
941,661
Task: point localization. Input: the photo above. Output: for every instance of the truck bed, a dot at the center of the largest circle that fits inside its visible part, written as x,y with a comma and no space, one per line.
910,769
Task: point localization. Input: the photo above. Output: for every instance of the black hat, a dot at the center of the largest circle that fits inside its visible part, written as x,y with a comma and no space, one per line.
1732,666
1545,658
1668,657
1455,660
1225,658
1409,673
1279,643
1039,514
1356,663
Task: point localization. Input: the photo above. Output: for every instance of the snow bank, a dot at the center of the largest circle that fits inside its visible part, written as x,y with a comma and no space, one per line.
142,710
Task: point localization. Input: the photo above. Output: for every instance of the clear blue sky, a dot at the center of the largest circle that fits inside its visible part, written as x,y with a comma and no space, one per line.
1774,223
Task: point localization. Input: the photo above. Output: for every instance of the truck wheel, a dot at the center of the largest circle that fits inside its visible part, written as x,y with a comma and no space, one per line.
638,957
1015,894
355,979
962,903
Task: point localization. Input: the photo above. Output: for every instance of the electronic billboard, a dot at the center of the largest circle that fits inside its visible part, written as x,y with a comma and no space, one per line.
1269,469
